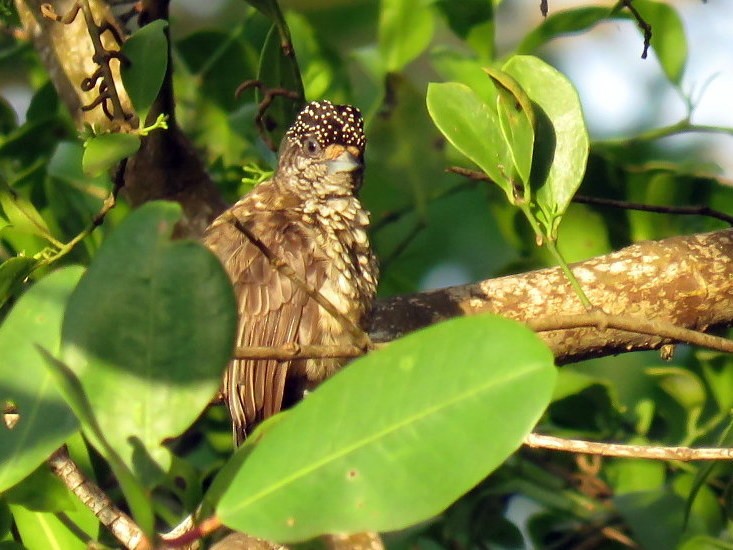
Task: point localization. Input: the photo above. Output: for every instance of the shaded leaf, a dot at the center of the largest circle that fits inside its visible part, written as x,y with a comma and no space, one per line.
148,333
560,23
668,37
103,152
20,212
438,426
13,272
405,31
45,420
147,53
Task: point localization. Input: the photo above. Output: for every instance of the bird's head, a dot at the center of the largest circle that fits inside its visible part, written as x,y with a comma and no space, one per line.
323,151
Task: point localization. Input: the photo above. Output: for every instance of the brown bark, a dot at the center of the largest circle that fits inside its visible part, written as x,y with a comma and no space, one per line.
687,281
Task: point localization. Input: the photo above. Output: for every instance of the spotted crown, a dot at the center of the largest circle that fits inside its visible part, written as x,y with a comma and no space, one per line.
329,124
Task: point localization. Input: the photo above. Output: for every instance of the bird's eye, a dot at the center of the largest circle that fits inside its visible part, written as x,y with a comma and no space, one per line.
311,146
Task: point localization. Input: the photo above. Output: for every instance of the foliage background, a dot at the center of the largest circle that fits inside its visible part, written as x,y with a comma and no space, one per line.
448,231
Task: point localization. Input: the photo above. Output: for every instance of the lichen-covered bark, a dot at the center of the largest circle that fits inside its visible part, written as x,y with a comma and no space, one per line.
67,53
687,281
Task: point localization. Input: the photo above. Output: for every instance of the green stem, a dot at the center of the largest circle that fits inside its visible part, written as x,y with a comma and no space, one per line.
551,246
684,126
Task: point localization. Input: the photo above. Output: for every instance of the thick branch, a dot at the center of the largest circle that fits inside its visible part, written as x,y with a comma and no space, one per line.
687,281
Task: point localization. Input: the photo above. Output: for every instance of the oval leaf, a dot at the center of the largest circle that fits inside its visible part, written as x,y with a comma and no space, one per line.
516,119
566,136
104,151
45,420
473,128
668,37
397,436
148,333
147,53
405,30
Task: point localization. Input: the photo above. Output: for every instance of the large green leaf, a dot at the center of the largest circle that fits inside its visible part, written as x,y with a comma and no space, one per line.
473,128
45,420
147,53
562,140
397,436
405,31
148,333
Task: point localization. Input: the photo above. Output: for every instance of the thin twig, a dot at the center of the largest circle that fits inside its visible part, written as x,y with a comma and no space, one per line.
645,27
119,524
294,350
268,95
654,327
696,210
360,337
654,452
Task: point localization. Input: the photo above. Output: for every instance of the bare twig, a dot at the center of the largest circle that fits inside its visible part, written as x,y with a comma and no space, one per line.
651,327
119,524
268,95
696,210
360,337
685,454
645,27
294,350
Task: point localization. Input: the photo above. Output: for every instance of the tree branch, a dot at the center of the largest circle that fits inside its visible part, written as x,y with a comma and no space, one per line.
685,454
683,281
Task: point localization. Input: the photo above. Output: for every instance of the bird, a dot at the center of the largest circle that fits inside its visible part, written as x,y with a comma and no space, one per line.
308,218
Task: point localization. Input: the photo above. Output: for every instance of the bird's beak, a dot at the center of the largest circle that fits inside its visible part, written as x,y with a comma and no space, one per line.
345,162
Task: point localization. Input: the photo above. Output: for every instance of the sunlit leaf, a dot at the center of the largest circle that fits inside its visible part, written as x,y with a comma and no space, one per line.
378,446
516,119
561,140
473,128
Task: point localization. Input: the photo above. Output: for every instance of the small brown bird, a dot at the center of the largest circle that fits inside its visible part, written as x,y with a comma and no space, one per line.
309,217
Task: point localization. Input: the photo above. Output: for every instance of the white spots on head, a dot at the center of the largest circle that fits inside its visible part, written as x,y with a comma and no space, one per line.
329,124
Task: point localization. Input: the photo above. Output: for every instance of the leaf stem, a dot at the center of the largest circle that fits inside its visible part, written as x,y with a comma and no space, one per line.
552,247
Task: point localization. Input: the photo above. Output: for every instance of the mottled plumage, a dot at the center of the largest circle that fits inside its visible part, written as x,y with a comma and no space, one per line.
308,216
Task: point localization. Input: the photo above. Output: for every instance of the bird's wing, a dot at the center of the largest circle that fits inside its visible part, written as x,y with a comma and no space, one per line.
273,309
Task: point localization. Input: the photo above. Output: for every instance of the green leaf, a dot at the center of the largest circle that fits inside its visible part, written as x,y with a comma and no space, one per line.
397,436
473,128
668,37
45,531
277,70
147,53
21,213
104,151
45,420
405,31
472,20
13,272
70,388
516,120
560,23
148,332
563,144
